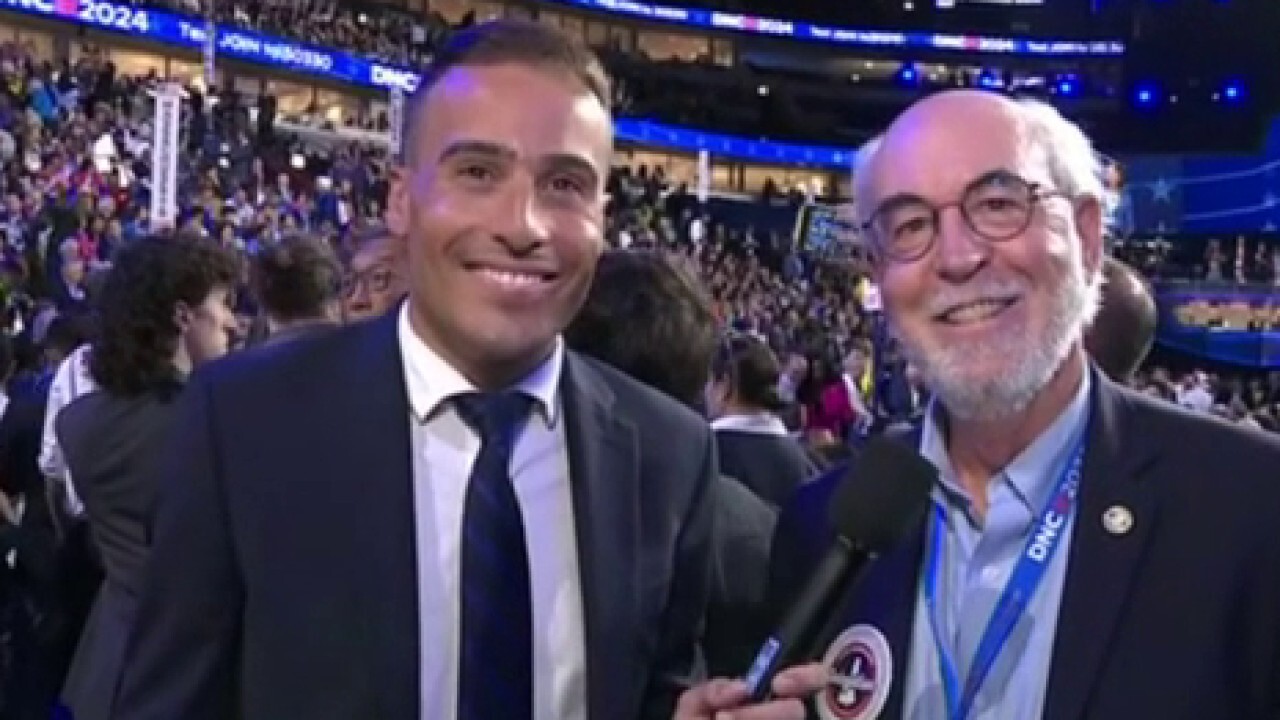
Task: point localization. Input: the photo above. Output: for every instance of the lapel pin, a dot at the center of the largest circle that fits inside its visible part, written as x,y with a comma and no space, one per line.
1118,520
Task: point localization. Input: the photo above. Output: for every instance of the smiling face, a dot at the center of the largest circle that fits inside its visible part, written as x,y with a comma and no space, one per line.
987,323
503,207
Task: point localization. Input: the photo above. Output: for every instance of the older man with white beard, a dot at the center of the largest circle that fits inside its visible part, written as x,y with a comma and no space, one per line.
1089,553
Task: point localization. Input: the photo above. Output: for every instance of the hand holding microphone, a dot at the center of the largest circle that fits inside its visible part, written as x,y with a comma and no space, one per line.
724,699
884,497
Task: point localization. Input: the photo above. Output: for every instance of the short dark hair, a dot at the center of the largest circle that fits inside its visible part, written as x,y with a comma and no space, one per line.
295,278
649,318
497,42
1124,329
752,370
69,331
132,353
360,240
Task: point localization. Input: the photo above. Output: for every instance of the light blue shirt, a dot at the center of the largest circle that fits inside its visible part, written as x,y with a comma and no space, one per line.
976,561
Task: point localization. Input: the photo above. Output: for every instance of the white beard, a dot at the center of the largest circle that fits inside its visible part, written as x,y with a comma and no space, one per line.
1026,359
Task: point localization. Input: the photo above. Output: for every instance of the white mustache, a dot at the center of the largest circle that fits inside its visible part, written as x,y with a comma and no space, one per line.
953,298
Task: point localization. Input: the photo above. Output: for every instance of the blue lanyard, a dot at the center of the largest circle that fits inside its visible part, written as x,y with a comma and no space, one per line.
1017,594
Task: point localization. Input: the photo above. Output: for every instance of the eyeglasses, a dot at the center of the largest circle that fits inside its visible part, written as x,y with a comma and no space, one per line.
376,279
996,207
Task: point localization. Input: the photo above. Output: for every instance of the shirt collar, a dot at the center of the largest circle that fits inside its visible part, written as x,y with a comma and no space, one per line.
1033,473
765,423
430,380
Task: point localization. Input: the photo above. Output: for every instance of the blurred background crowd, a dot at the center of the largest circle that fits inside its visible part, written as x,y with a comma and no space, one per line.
287,203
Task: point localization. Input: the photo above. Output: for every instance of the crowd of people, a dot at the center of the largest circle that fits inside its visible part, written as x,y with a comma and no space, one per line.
278,237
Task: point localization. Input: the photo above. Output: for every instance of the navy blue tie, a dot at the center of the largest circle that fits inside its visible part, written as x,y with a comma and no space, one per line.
495,680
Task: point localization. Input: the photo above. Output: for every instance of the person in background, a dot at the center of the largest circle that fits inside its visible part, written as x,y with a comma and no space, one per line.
71,268
59,559
70,381
843,409
165,309
792,378
647,318
297,284
1124,330
1195,392
752,443
901,397
376,277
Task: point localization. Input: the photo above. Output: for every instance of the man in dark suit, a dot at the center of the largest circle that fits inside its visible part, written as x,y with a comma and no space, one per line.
1089,553
443,513
645,317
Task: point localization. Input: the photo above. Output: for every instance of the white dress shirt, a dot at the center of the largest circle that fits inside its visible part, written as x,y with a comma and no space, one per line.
444,450
70,382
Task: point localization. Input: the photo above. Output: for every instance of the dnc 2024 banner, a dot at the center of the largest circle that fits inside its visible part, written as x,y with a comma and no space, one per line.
1237,325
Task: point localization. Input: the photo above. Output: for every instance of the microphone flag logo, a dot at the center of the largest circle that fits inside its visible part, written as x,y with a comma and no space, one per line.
860,670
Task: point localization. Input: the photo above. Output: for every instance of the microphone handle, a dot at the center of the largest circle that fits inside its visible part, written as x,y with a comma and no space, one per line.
804,616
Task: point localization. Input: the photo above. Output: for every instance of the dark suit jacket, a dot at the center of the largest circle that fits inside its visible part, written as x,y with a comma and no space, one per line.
1177,619
111,445
771,466
737,617
283,578
296,332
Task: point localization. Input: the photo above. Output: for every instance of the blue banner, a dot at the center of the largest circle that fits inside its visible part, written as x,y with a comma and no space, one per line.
1205,193
185,31
1237,325
773,27
648,132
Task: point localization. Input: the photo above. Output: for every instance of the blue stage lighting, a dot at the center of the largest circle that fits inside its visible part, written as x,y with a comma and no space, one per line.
1233,91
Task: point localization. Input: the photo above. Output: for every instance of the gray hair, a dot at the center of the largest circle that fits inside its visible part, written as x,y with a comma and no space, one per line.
1075,168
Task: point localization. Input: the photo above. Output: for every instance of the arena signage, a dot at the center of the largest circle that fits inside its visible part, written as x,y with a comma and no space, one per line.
190,32
774,27
187,31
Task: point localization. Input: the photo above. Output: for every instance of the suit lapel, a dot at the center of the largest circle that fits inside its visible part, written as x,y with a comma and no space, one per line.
1102,564
892,608
885,598
378,453
604,477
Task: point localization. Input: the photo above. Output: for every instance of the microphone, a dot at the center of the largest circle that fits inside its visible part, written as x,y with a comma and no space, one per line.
883,497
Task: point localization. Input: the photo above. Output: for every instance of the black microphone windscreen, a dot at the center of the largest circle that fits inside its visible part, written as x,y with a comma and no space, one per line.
884,496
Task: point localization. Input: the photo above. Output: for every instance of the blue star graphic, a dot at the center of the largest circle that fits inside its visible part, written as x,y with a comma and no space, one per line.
1162,190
